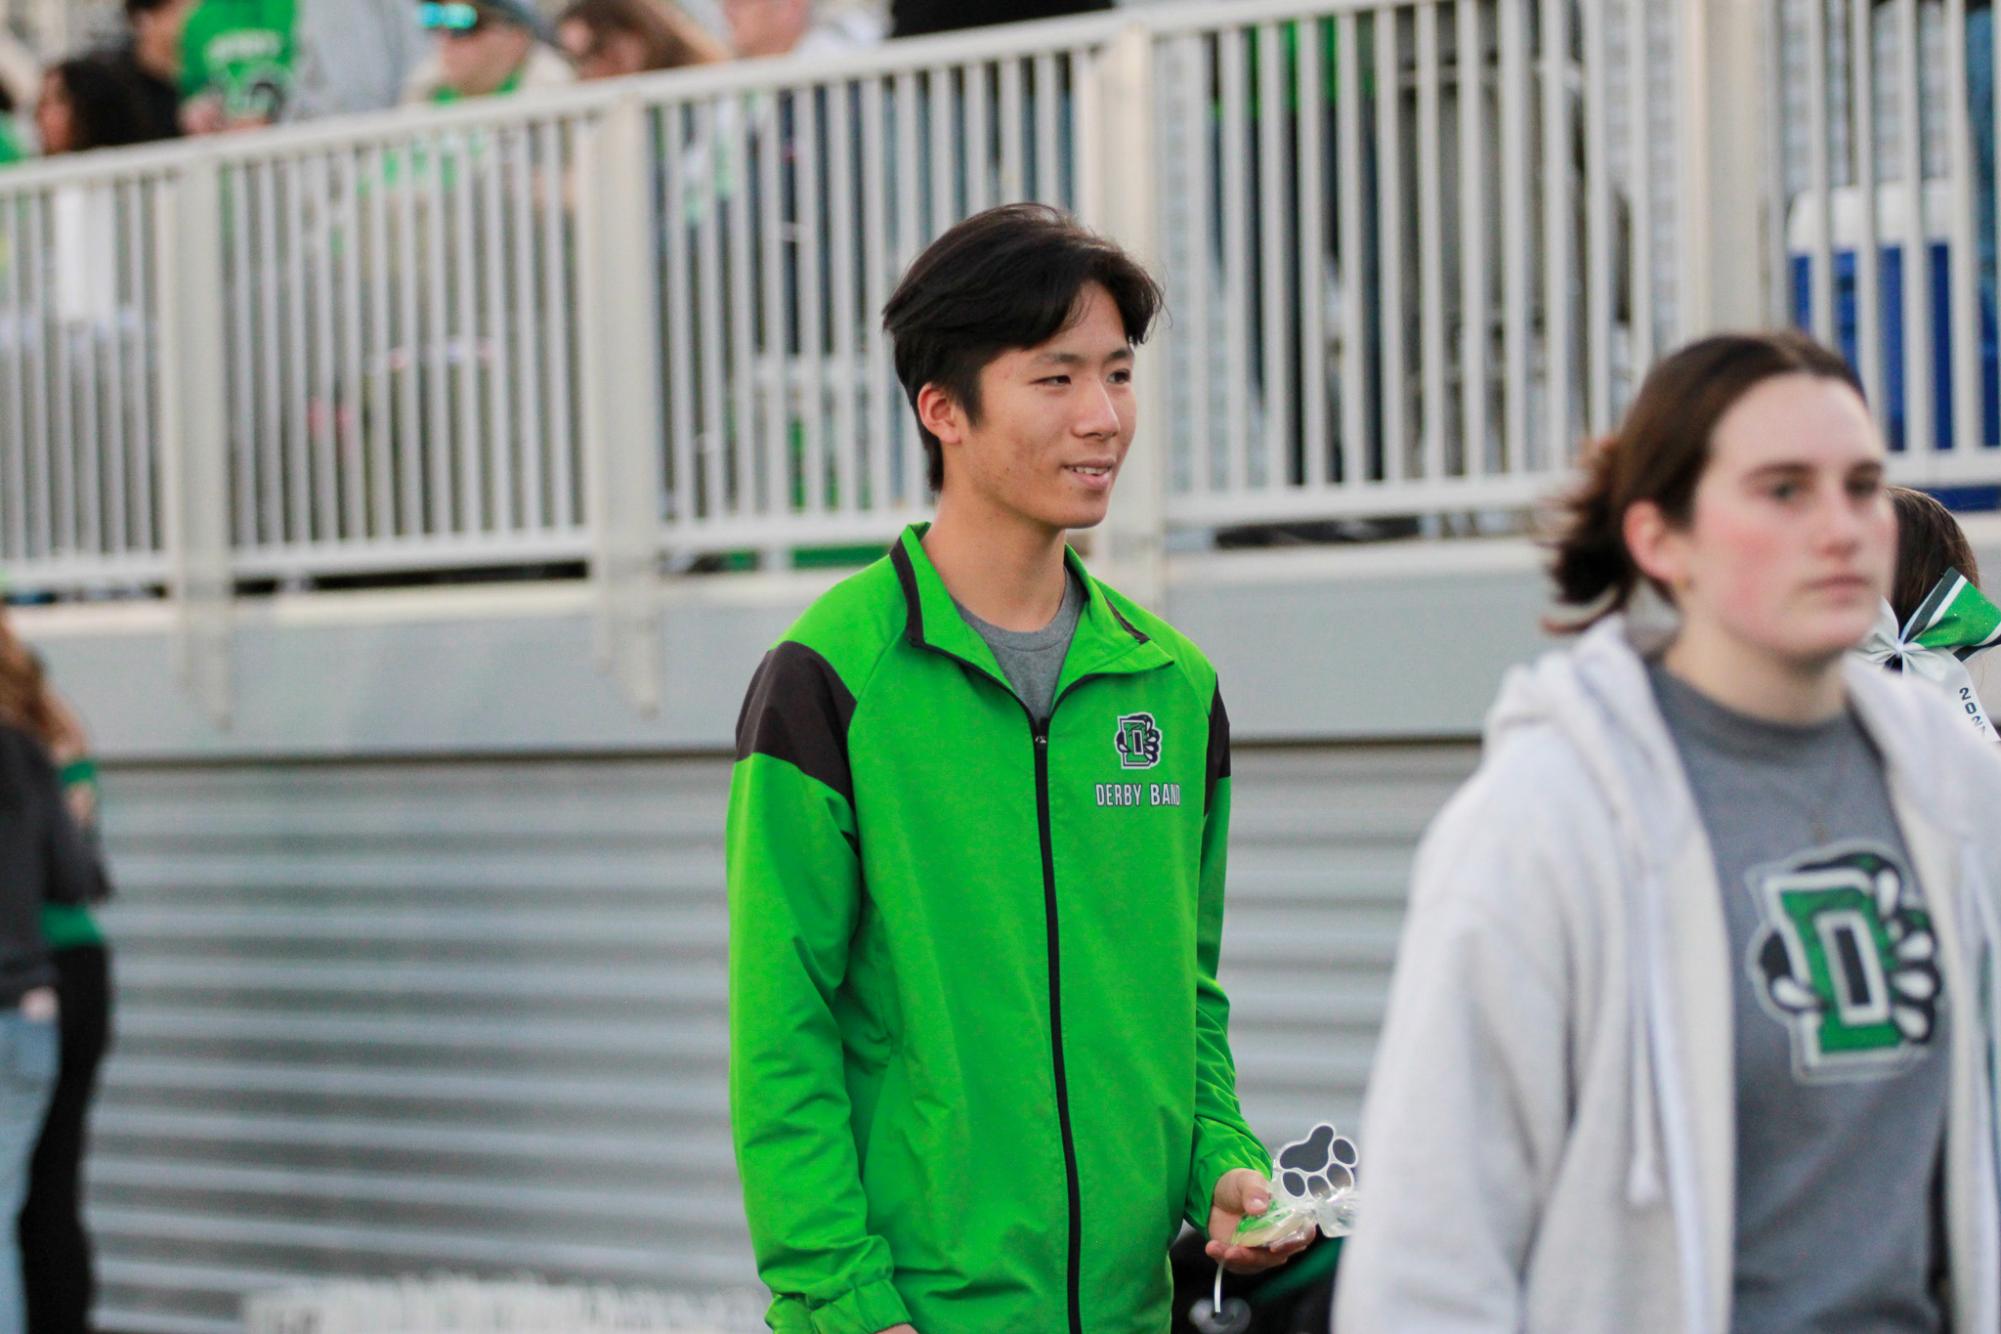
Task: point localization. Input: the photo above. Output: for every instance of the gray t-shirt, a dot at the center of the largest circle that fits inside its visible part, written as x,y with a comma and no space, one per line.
1840,1025
1033,659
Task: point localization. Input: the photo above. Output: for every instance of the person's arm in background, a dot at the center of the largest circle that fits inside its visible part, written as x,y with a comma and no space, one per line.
794,877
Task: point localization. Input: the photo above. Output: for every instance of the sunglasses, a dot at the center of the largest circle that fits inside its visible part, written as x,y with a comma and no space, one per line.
453,16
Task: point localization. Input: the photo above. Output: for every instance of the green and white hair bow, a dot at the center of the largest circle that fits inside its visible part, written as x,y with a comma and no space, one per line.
1954,622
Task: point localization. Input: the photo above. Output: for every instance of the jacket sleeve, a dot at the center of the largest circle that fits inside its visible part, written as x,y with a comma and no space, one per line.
794,898
70,873
1222,1140
1468,1106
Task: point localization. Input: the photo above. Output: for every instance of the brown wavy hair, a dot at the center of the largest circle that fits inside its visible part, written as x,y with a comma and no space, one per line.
25,699
1659,453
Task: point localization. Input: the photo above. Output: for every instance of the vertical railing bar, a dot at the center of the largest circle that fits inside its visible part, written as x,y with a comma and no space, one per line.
348,424
40,410
1390,226
1598,272
944,195
710,341
810,235
241,321
1557,218
1236,258
325,440
742,438
465,275
1013,177
534,458
1640,148
437,331
884,406
777,331
116,438
270,340
379,405
1820,282
841,234
1515,234
1313,225
1048,158
63,441
1919,439
1208,460
556,137
1473,276
1275,355
1868,247
687,508
410,336
977,145
1963,309
502,375
1431,244
298,355
146,368
1353,241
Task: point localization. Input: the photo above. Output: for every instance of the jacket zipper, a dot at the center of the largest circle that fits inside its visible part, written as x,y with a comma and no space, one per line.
1076,1247
1039,731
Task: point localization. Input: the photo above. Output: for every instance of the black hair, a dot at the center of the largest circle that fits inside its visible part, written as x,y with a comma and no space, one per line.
137,7
1011,277
108,107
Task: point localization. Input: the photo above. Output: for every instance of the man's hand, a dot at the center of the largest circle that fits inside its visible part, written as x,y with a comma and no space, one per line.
901,1329
1240,1193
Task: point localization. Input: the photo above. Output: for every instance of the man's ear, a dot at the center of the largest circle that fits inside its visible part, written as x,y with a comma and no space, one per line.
941,414
1657,546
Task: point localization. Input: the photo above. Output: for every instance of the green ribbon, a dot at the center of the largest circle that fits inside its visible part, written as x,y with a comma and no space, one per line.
1954,618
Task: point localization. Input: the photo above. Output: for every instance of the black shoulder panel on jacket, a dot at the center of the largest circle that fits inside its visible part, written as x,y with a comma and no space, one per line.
798,710
1219,746
906,578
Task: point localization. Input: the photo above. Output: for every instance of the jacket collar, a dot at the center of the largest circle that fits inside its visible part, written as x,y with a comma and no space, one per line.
1106,643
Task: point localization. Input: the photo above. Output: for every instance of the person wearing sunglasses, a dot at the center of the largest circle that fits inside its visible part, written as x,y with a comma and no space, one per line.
483,49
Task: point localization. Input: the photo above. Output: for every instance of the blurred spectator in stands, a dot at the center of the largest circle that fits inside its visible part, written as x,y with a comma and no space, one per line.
238,59
484,48
54,996
90,102
149,58
247,63
607,39
356,55
914,18
11,149
55,1249
795,27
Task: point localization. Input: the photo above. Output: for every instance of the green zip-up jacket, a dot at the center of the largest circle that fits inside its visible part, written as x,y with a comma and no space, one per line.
980,1065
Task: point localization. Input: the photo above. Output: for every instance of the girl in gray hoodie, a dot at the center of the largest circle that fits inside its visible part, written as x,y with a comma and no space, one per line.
1692,1027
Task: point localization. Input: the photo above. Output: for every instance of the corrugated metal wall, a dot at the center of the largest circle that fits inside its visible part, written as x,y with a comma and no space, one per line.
410,1017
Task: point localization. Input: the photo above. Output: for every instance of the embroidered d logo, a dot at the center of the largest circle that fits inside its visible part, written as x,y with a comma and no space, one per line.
1137,741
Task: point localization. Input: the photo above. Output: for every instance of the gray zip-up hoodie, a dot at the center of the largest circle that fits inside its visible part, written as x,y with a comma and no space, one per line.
1549,1138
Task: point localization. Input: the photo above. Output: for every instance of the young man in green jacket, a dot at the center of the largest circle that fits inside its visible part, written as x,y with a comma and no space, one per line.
980,1060
975,851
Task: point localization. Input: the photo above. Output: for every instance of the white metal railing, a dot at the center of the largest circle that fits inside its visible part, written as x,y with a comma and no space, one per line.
1415,250
1877,181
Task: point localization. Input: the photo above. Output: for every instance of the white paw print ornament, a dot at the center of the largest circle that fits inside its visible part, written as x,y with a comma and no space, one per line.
1313,1187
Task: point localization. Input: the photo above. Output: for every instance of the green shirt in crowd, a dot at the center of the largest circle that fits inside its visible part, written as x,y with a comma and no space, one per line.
244,51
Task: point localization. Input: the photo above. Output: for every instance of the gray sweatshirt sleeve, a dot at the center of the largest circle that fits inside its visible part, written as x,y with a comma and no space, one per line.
1469,1100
